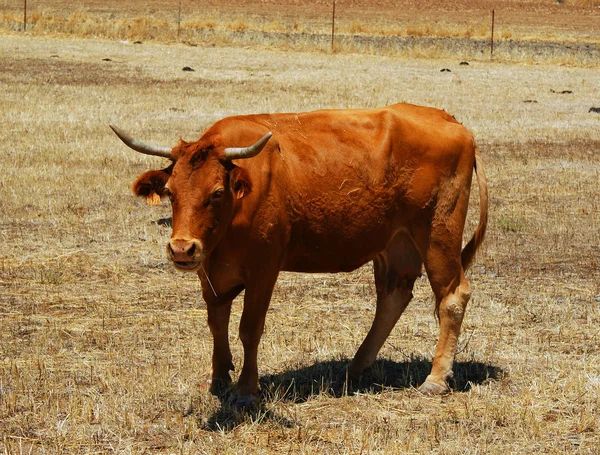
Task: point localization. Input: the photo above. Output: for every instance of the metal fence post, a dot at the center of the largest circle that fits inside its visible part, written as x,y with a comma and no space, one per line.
492,38
333,26
24,15
179,22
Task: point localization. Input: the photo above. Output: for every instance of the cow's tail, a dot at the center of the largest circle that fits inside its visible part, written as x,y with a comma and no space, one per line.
468,252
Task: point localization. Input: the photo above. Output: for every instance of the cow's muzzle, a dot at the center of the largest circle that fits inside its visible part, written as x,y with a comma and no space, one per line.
186,255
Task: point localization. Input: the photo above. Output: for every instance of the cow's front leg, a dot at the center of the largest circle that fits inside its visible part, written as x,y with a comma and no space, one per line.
256,304
222,364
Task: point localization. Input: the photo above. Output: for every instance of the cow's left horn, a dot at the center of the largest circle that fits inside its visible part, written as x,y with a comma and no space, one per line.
138,146
247,152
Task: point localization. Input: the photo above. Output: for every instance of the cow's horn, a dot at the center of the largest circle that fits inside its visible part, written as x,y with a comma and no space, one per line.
138,146
247,152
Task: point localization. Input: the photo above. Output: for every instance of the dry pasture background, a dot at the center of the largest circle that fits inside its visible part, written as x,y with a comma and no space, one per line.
105,349
564,31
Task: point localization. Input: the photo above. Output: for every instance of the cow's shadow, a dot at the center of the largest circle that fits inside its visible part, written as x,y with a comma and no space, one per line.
330,378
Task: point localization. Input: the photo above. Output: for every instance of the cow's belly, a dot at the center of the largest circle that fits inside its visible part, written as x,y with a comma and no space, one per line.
337,250
317,263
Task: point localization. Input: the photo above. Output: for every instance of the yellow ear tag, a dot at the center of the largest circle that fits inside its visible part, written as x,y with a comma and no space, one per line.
153,198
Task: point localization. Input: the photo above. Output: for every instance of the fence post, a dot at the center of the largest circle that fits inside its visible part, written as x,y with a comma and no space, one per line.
179,22
24,15
333,27
492,38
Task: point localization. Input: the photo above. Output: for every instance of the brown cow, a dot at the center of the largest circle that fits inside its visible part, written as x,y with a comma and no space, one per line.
323,191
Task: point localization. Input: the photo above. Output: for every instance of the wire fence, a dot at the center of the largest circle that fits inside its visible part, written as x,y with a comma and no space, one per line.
384,26
313,14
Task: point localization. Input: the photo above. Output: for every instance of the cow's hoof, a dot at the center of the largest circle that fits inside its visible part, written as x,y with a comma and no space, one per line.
354,373
432,388
244,404
219,386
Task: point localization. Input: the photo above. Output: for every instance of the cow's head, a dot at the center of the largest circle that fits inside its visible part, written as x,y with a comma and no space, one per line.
203,185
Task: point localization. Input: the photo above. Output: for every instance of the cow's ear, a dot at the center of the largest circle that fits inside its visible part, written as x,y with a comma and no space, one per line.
240,183
151,185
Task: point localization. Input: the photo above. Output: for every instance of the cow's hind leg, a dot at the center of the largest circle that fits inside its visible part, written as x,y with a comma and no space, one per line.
396,269
452,293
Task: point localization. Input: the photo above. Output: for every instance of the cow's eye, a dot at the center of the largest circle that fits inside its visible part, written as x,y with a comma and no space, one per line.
217,195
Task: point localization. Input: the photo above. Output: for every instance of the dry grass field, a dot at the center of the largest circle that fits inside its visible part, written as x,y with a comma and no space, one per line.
104,347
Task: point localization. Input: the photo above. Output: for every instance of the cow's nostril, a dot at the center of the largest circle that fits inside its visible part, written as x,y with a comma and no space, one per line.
191,250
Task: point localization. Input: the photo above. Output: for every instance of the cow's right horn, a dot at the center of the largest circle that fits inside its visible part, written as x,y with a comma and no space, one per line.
138,146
